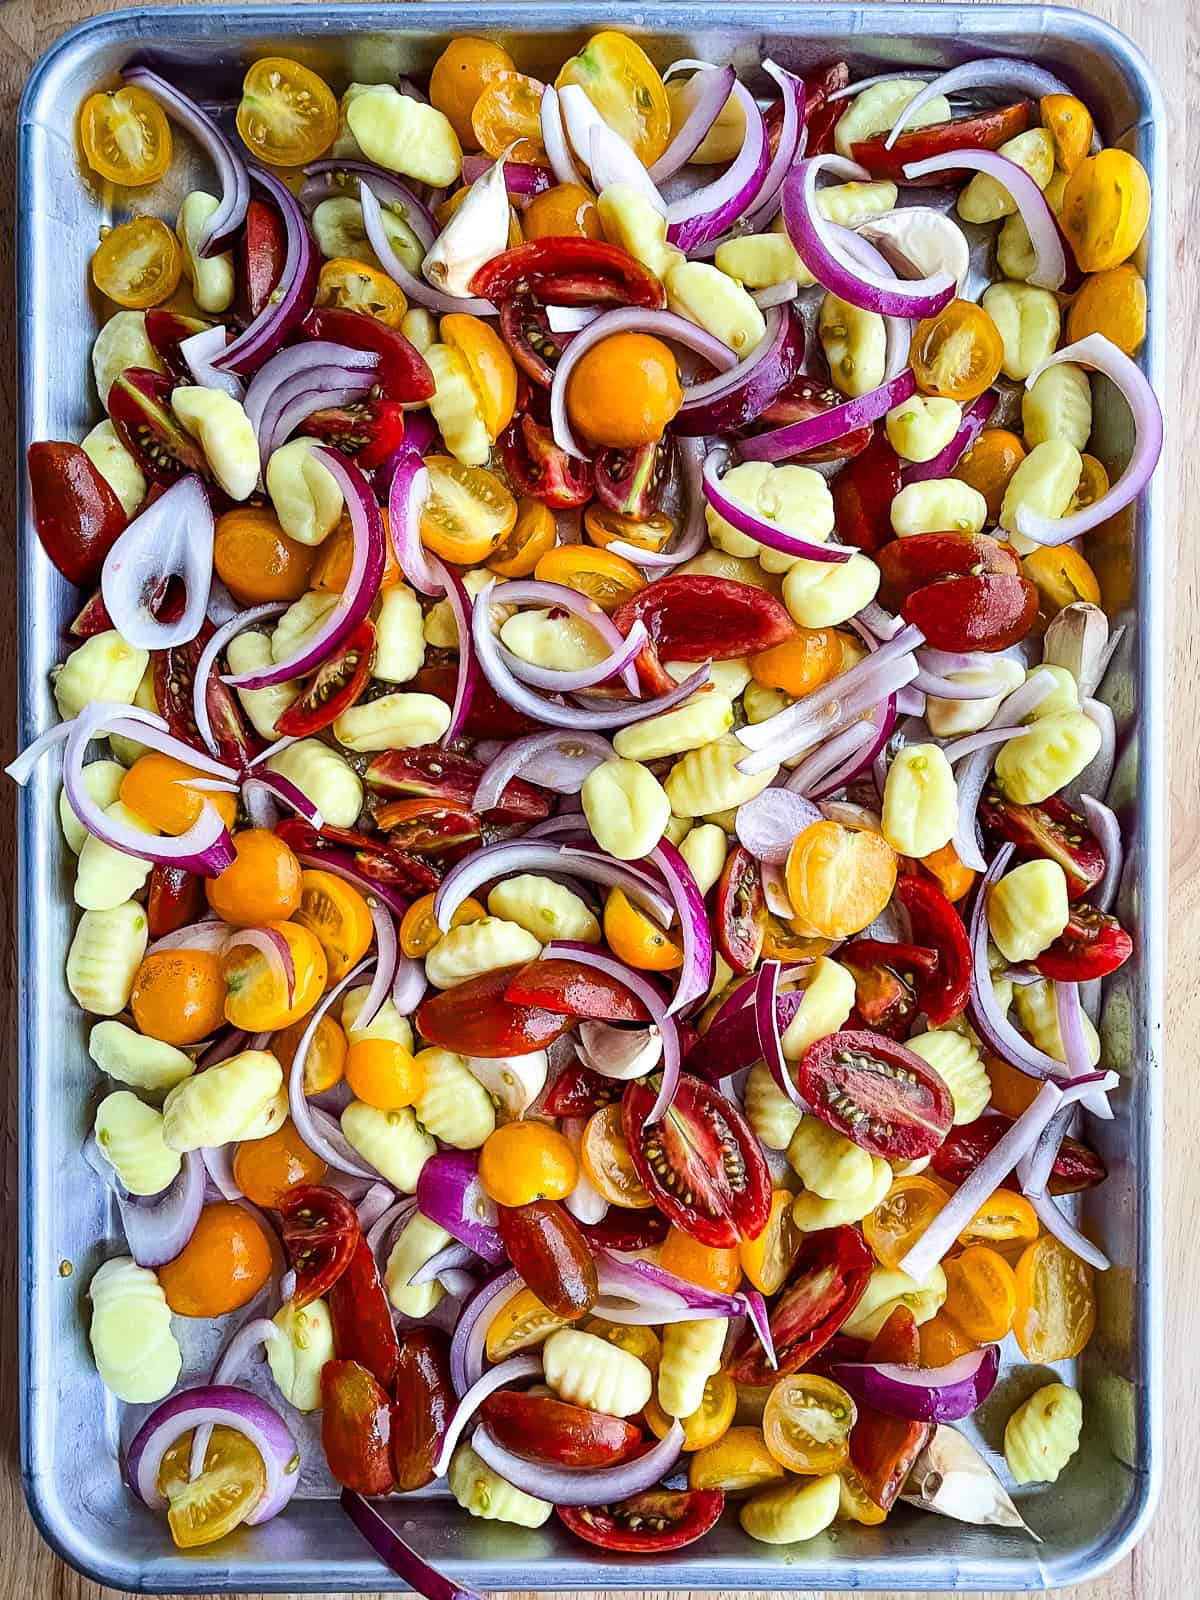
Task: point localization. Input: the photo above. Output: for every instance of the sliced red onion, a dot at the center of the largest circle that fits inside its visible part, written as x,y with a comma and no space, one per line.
972,778
867,256
943,688
274,949
555,139
879,622
379,1198
768,824
647,1287
449,1193
387,948
695,974
983,740
362,586
224,1406
787,151
1069,1013
1102,820
1035,1167
923,1394
766,532
794,438
1014,77
559,761
695,534
511,1371
208,935
613,161
407,494
701,103
1099,769
382,1232
218,231
619,663
467,680
171,538
766,1017
312,1124
1065,1231
416,289
324,180
582,1486
627,319
342,864
227,1043
218,1161
1050,268
198,350
808,778
208,657
974,420
275,787
22,768
470,1334
302,368
408,985
400,1556
292,297
522,179
508,856
852,90
760,1321
559,597
157,1229
706,213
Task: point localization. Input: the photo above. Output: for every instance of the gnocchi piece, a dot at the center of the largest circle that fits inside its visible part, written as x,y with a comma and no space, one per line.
920,801
304,493
1015,255
1042,1435
707,780
102,780
828,1002
691,1353
626,808
393,722
827,1163
218,1105
399,636
921,427
706,716
855,346
455,406
822,594
484,1493
418,1242
791,1512
103,667
104,957
1052,754
716,302
957,1061
848,204
544,908
116,465
589,1371
226,436
705,850
1058,405
341,233
810,1212
270,1119
441,631
130,1136
106,876
245,652
454,1106
720,564
545,639
122,343
876,109
387,1023
128,750
1028,321
405,135
326,778
762,260
938,505
727,677
1028,909
946,718
1044,483
476,947
301,623
135,1351
797,500
297,1357
632,222
393,1142
760,703
419,327
985,199
1063,695
211,277
136,1059
1037,1012
888,1288
771,1115
727,134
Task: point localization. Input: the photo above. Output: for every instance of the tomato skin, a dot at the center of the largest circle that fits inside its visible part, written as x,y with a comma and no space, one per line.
691,617
1091,945
139,404
578,1091
623,1229
884,995
369,430
175,899
355,1427
534,345
863,493
720,1189
537,467
362,1318
806,397
575,990
166,330
320,1235
986,130
77,516
740,911
430,770
820,113
935,923
569,272
908,1107
489,716
334,687
883,1448
1075,1168
1052,829
262,251
475,1019
689,1513
423,1406
827,1280
545,1245
973,613
434,827
372,857
402,373
542,1429
909,564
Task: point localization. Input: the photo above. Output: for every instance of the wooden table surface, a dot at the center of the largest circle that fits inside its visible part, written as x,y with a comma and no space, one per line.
1165,1565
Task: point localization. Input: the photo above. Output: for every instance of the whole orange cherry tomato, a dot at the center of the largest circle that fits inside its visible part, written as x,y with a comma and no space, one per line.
178,995
223,1265
335,557
256,996
257,560
265,1169
564,210
1112,303
958,353
1105,209
625,391
159,789
261,884
460,75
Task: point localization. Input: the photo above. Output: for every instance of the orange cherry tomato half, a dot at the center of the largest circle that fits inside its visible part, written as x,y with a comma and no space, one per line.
563,211
160,790
265,1169
126,136
1055,1301
354,286
460,75
261,884
287,115
958,353
839,878
256,559
138,263
623,84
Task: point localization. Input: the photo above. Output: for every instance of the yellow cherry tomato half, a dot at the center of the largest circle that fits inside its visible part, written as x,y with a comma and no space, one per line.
138,264
524,1161
902,1216
1105,209
526,542
126,136
958,353
161,791
807,1422
350,285
206,1508
1056,1301
339,916
607,579
256,996
509,112
710,1421
287,115
623,84
839,878
468,512
608,1163
981,1293
634,937
460,75
604,526
492,370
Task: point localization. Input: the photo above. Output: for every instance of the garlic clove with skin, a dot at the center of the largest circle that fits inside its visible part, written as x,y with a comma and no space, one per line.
476,233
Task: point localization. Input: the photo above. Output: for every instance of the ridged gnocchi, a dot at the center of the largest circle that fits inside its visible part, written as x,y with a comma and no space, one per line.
957,1061
136,1059
543,907
1028,321
223,1103
828,1001
211,277
248,652
484,1493
946,718
791,1512
888,1288
102,780
341,233
985,199
324,777
1042,1435
1037,1012
1028,909
691,1353
1058,405
920,801
810,1212
475,947
135,1351
855,346
706,296
453,1105
633,223
441,630
393,722
419,1241
296,1358
387,1023
129,1134
795,499
827,1163
706,716
103,667
393,1142
104,875
226,436
589,1371
771,1115
938,505
104,957
1044,484
823,594
707,780
304,492
1056,749
626,808
399,636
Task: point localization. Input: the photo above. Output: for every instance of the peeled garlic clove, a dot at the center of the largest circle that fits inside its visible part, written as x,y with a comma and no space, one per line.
514,1082
621,1053
951,1478
476,232
919,241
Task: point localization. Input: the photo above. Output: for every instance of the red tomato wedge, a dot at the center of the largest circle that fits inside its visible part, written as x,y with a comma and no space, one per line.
356,1427
649,1523
568,987
320,1234
883,1448
863,492
1075,1167
77,516
557,1433
362,1317
827,1280
423,1406
475,1019
986,130
694,618
569,272
943,992
876,1092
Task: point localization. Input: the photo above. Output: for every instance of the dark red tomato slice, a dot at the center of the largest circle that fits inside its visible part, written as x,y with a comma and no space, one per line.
91,618
374,858
578,1091
536,466
320,1234
552,1431
882,1447
534,346
646,1524
906,565
174,683
700,1162
692,618
986,130
423,1406
631,481
489,716
77,516
826,1282
806,397
1053,829
139,404
876,1092
362,1317
935,924
569,272
740,911
334,687
401,374
1092,945
622,1229
166,331
884,994
356,1427
370,430
863,492
575,990
821,114
545,1245
986,613
262,252
430,770
433,827
1075,1167
475,1019
174,900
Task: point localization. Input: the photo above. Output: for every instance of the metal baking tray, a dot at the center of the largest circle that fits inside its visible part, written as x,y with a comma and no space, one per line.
70,1428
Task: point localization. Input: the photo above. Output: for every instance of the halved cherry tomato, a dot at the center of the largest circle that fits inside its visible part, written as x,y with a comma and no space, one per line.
767,1260
320,1234
806,397
976,613
945,867
520,1323
1092,945
287,115
125,135
540,1428
174,679
77,516
460,75
468,512
256,560
821,114
989,464
883,1448
885,998
475,1019
338,915
139,405
807,1423
1002,1218
1052,829
739,911
981,1293
839,878
166,330
493,376
1056,1301
507,116
210,1506
430,770
1075,1167
693,618
434,827
174,899
657,1520
709,1422
402,373
263,251
561,985
530,537
370,430
545,1245
826,1282
800,664
863,493
623,84
334,687
419,931
138,263
878,1093
325,1062
356,1427
942,1342
629,486
91,618
224,1264
396,873
909,564
423,1406
535,347
169,794
354,286
902,1216
958,353
935,924
489,717
569,272
537,467
700,1162
578,1091
607,579
635,938
362,1318
624,1229
985,130
608,1162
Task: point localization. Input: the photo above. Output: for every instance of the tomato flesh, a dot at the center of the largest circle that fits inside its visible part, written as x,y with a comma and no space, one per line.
1075,1167
370,430
657,1520
334,687
884,999
694,618
575,990
320,1234
175,898
139,404
356,1427
973,613
804,398
534,346
740,912
986,130
475,1019
578,1091
943,992
434,827
430,770
174,681
623,1229
1092,945
539,1428
911,563
882,1447
537,467
826,1282
77,516
362,1318
821,114
402,373
545,1244
879,1094
1052,829
424,1404
569,272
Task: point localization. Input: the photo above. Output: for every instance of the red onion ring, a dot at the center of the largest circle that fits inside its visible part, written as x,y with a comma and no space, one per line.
1050,268
559,761
739,396
559,597
273,786
1014,77
470,1334
449,1193
794,438
582,1486
755,527
467,680
273,948
198,351
554,138
766,995
983,740
706,213
205,935
844,745
395,1553
1069,1014
157,1231
767,825
533,855
510,1371
293,295
695,974
171,538
303,376
387,949
786,151
416,289
1103,822
702,102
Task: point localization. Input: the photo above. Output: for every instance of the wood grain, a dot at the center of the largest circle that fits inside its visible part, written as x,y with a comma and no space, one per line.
1165,1565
